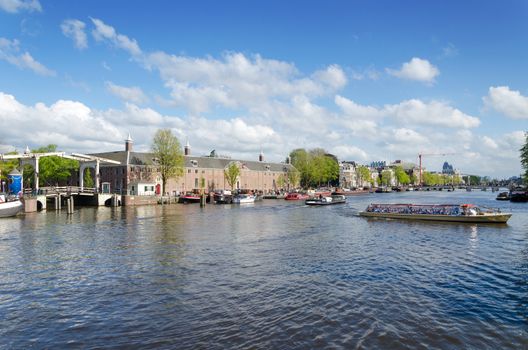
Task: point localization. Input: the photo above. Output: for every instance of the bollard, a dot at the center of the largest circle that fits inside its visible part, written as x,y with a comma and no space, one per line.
202,200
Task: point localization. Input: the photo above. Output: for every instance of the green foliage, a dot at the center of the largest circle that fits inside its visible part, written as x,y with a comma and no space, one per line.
428,179
7,166
401,176
281,181
53,170
364,174
293,178
169,155
524,157
88,180
386,177
315,167
231,174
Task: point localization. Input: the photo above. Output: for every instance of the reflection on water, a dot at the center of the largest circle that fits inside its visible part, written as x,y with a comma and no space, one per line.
275,274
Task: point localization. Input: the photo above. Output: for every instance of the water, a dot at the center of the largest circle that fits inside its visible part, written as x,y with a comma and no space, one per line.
273,275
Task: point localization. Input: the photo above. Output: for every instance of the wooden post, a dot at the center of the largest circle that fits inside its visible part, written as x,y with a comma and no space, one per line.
203,199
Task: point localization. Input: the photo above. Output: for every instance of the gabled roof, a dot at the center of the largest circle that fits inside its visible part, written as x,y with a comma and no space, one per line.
146,158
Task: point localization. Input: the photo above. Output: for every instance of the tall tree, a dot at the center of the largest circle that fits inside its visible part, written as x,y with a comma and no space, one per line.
168,152
524,157
294,178
386,177
363,175
231,174
402,177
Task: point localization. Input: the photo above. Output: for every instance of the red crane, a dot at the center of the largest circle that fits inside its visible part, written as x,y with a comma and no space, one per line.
429,154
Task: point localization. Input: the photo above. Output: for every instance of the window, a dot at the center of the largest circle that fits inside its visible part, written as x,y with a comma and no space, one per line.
196,171
195,182
188,171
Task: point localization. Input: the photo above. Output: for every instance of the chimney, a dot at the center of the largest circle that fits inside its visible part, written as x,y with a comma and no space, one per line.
187,149
288,160
128,144
261,157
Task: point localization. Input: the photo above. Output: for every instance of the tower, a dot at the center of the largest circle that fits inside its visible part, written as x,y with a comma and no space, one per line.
187,149
128,144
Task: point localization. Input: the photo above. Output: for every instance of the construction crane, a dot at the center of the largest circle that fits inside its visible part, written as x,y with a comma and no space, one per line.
420,155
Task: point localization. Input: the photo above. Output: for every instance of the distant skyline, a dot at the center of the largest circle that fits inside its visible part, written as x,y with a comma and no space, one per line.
365,80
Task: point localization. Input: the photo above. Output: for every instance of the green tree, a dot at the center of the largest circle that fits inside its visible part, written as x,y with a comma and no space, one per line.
401,176
428,179
293,178
168,153
7,166
524,157
88,180
281,180
53,170
300,159
363,175
231,174
386,177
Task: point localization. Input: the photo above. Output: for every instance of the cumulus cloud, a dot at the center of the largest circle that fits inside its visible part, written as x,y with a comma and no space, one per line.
74,29
344,152
132,94
236,80
10,52
433,113
507,102
105,33
353,110
416,69
14,6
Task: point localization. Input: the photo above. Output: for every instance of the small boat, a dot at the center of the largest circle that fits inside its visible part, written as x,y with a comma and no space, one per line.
328,200
383,189
223,197
437,212
244,199
347,192
295,196
503,196
9,207
190,198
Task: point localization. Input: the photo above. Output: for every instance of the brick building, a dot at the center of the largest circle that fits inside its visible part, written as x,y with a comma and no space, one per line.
137,173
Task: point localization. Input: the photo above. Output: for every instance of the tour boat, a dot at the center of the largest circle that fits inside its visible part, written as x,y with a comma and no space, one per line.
295,196
328,200
437,212
519,195
244,199
9,207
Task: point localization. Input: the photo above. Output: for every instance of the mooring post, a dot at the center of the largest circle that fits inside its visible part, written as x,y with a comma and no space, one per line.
202,200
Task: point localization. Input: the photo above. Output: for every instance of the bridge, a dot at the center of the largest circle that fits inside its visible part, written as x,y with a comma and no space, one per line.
38,196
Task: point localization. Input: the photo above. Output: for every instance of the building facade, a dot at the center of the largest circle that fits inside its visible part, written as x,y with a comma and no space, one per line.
137,173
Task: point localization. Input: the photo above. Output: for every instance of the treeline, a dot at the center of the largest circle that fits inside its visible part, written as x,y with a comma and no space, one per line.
316,167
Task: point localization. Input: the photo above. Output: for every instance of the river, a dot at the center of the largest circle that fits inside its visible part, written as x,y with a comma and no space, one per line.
269,275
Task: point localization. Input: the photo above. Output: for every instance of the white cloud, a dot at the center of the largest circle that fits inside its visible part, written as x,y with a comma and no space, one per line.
105,33
349,153
416,69
433,113
353,110
132,94
236,80
508,102
74,29
404,135
10,52
14,6
489,143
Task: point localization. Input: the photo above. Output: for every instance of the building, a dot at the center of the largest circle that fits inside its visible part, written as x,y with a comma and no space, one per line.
137,173
447,169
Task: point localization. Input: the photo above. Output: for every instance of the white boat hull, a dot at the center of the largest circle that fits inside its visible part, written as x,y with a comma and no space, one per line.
8,209
483,218
244,200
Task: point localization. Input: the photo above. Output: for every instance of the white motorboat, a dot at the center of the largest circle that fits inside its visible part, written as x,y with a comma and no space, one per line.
9,207
244,199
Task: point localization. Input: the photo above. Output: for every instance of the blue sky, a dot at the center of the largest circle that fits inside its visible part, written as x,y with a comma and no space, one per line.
366,80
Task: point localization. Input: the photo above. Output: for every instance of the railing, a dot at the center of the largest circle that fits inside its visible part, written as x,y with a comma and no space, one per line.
55,190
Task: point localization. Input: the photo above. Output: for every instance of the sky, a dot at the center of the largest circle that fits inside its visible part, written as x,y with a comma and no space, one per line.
365,80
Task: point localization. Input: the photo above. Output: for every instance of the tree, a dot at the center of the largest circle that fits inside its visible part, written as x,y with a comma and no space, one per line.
231,174
386,177
524,157
53,170
281,181
363,174
169,155
316,167
401,176
293,177
88,180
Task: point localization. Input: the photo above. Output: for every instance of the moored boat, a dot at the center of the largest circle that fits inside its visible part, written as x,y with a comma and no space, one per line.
437,212
244,198
519,195
8,207
328,200
295,196
190,198
223,197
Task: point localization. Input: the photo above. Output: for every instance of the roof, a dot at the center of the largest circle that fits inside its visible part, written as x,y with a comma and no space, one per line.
146,158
